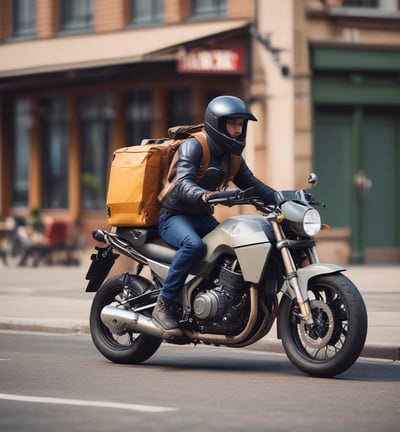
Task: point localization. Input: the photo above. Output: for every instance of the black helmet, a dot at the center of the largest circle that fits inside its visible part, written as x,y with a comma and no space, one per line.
220,109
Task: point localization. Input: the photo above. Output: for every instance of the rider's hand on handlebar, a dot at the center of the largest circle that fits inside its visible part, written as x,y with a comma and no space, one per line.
206,197
221,195
233,197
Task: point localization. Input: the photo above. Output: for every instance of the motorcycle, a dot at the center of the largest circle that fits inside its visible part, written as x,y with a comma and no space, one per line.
257,269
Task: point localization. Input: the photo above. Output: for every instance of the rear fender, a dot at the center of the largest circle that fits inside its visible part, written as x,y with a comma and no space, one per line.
101,265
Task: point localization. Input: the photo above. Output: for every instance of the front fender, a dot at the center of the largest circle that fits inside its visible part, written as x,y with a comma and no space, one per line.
304,274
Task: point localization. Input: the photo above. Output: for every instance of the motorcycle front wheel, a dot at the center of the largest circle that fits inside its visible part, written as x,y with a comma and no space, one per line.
333,343
126,348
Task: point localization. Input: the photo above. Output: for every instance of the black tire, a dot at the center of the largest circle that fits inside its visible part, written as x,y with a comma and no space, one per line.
128,348
335,341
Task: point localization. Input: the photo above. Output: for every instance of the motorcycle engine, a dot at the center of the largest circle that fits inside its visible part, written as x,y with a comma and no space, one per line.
219,306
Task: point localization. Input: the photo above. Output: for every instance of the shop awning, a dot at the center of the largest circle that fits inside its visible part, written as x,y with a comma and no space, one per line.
95,50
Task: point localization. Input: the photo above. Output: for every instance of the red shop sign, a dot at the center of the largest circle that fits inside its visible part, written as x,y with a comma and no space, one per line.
216,60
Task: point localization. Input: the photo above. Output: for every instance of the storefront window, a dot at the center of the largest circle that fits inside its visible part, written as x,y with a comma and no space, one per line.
361,3
24,18
139,117
209,8
76,15
180,107
22,130
146,12
95,118
54,154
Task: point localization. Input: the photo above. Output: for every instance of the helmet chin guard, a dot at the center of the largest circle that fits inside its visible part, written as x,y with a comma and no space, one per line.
218,111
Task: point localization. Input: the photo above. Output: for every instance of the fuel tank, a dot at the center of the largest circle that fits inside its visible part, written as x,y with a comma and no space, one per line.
248,236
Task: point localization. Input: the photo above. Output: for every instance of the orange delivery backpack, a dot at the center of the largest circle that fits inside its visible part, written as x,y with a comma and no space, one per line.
141,176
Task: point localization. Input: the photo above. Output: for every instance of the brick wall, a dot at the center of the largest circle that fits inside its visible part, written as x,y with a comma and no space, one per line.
112,15
5,19
176,11
241,9
46,18
109,15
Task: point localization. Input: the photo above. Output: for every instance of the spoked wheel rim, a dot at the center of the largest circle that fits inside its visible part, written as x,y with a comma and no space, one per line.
335,339
317,335
326,337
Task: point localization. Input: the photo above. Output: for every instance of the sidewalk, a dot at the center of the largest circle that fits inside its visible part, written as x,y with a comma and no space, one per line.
53,299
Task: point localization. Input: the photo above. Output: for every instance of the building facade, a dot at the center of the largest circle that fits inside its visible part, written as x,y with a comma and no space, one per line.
79,79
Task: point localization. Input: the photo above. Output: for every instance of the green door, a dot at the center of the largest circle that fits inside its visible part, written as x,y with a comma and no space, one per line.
378,159
356,152
332,146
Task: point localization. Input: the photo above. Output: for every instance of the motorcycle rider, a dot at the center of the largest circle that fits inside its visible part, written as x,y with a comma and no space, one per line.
185,216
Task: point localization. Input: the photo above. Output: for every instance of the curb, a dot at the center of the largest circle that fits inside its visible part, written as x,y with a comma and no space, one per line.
36,326
377,351
381,351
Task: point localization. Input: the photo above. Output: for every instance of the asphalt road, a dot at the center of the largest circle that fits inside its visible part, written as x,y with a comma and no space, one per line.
60,382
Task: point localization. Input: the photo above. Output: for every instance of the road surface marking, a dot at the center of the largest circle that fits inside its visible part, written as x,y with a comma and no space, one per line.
97,404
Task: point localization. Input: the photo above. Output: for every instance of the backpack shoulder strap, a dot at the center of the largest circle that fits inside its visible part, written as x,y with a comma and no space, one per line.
234,164
205,162
168,177
236,159
231,166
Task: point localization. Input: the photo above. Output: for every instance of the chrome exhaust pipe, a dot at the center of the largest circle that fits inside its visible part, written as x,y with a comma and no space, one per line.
120,320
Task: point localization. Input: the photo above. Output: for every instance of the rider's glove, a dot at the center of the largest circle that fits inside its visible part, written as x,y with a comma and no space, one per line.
207,196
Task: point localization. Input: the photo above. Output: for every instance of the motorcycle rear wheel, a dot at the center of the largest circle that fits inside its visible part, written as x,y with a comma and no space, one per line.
334,342
128,348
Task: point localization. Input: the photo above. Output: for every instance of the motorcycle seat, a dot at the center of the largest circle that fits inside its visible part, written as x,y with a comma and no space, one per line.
148,242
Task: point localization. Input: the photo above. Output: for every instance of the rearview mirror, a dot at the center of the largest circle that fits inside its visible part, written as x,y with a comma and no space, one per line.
313,179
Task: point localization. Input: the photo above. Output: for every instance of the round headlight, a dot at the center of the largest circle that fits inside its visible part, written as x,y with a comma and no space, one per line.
311,222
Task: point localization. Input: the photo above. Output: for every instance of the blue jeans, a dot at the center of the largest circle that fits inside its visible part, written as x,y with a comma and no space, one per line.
185,233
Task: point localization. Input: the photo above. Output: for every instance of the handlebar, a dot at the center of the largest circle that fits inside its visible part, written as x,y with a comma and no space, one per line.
233,197
239,197
227,195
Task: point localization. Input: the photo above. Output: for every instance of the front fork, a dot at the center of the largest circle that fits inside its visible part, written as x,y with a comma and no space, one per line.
291,272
